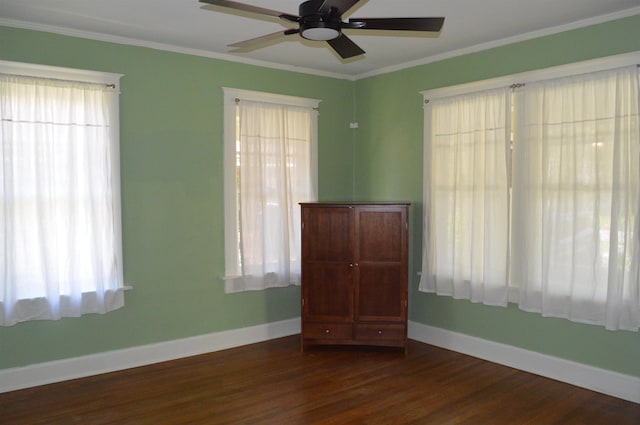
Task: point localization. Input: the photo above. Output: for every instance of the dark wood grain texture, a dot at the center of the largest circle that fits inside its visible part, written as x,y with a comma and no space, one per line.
354,274
275,383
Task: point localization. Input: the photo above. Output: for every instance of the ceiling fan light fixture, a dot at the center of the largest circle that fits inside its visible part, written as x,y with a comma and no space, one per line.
320,33
321,20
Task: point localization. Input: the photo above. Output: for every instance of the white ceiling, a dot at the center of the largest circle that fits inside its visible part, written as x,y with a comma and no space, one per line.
193,27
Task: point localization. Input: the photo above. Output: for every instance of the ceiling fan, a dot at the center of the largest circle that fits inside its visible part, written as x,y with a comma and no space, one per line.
321,20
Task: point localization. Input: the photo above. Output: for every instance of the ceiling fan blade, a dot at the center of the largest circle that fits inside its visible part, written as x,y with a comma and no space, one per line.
345,47
397,24
253,9
341,5
257,42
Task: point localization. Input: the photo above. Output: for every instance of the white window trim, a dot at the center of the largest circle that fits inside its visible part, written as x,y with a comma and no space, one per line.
583,67
60,73
229,157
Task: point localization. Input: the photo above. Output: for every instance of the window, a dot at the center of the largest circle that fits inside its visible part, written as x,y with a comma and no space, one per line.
553,226
60,204
469,195
270,145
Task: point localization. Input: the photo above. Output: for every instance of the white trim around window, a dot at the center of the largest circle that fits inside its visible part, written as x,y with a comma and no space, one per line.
583,67
60,73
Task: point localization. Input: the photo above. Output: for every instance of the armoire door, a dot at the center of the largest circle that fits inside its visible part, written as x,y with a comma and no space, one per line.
327,264
381,258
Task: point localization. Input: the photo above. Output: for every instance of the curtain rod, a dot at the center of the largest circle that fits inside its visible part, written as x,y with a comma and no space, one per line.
108,85
237,100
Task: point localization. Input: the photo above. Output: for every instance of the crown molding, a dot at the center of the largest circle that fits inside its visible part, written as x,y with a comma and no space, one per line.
505,41
164,47
266,64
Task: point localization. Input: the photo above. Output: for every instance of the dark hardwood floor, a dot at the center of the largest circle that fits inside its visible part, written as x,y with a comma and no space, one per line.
275,383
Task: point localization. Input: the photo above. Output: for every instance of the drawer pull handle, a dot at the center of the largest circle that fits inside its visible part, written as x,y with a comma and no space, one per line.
327,331
379,331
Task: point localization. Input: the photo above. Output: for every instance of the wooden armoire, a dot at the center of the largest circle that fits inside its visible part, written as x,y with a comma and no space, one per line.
354,274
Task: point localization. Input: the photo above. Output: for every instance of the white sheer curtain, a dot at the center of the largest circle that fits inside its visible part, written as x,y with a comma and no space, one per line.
60,202
465,251
273,175
576,226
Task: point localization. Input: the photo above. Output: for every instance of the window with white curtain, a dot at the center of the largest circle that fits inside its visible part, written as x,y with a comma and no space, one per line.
270,167
468,196
60,204
532,194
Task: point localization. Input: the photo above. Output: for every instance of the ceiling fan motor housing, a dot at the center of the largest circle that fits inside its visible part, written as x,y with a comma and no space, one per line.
315,25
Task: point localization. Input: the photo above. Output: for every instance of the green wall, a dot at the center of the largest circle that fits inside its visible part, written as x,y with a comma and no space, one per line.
389,166
171,150
171,110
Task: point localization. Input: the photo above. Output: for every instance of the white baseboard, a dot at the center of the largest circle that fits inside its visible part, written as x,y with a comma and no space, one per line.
601,380
110,361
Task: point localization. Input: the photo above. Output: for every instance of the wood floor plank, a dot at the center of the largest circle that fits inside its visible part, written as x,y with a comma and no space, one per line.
275,383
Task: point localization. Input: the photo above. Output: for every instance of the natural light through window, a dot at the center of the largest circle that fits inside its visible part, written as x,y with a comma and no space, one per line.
532,193
270,145
60,218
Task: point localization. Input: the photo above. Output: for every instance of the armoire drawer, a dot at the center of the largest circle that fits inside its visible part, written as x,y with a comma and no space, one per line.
328,331
379,331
